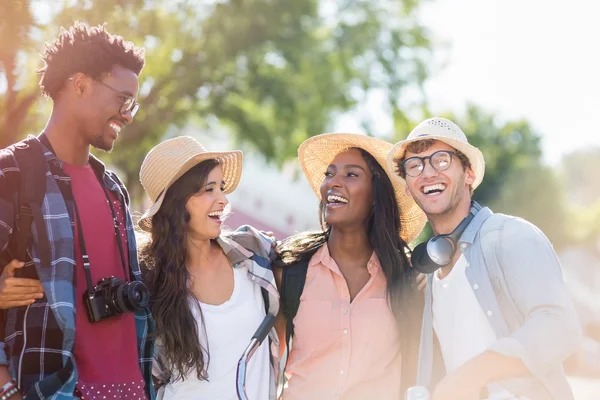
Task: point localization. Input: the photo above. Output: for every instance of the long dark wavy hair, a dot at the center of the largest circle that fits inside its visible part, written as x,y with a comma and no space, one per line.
383,228
163,261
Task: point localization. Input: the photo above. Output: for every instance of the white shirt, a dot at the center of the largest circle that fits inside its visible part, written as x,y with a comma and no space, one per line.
229,327
460,324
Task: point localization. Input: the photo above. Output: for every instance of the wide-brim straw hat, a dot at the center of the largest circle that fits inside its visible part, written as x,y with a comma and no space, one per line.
446,131
316,153
169,160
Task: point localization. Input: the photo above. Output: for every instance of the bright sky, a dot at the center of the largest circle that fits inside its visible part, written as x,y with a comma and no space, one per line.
524,58
535,59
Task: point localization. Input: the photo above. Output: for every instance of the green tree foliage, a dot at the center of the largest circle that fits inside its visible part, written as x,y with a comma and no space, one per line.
536,194
579,174
584,226
579,171
515,180
272,71
18,92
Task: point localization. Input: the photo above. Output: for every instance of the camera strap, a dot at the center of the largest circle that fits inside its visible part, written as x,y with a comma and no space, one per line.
84,253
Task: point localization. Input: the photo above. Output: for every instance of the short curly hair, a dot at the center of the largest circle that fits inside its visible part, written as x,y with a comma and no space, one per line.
92,51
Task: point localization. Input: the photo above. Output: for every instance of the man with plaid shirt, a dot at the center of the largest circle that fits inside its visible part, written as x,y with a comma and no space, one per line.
51,349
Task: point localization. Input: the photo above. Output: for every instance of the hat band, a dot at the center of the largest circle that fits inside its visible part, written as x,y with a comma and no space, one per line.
159,195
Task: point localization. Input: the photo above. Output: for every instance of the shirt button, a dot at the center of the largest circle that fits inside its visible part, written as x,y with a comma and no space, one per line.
475,286
345,311
463,246
253,278
489,313
345,331
342,372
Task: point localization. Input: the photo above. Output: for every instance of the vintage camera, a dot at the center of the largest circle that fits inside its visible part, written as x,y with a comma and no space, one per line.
113,296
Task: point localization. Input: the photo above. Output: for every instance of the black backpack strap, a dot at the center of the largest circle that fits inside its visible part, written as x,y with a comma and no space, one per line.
265,296
292,285
30,157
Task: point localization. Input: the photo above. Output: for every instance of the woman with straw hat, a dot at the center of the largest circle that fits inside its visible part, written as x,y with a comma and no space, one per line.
352,313
210,290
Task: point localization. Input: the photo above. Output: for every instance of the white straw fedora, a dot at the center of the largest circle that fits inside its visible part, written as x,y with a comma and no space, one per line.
317,152
169,160
446,131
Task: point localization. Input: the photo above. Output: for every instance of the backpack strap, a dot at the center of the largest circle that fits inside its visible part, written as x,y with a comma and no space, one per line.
265,296
292,285
30,157
29,154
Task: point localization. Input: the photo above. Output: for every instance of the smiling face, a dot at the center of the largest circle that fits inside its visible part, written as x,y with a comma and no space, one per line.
206,207
99,106
439,193
347,190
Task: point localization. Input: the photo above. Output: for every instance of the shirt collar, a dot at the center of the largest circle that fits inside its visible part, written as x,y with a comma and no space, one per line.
480,215
97,165
322,256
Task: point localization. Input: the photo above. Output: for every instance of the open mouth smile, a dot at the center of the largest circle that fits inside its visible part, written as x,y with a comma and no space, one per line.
116,127
216,216
433,190
335,201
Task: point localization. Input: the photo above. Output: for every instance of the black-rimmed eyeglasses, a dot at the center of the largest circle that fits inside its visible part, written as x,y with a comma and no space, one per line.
129,103
440,161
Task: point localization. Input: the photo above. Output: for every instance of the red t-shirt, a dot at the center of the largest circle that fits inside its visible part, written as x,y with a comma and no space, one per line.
105,352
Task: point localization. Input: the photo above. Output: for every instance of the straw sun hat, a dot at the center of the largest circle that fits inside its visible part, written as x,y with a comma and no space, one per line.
317,152
169,160
446,131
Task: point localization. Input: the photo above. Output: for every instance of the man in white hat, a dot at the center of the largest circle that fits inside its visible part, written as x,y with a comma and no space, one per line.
498,320
72,330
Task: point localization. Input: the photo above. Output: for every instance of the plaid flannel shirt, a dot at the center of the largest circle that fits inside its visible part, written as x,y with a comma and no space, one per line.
39,339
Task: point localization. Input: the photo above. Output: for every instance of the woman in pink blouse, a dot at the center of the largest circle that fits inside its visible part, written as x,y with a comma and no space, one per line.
353,309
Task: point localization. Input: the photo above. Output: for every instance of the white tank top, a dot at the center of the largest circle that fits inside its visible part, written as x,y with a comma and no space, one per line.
229,328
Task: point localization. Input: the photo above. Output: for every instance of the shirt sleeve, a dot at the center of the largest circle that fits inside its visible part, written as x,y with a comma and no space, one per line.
160,372
3,357
8,170
532,271
8,177
257,242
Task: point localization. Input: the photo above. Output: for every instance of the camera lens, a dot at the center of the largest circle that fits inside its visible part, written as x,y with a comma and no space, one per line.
137,296
130,297
133,296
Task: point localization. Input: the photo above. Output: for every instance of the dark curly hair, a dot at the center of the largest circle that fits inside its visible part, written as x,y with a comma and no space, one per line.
92,51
